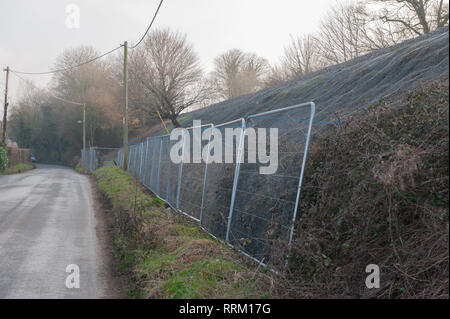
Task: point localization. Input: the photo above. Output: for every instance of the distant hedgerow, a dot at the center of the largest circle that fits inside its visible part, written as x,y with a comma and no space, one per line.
3,158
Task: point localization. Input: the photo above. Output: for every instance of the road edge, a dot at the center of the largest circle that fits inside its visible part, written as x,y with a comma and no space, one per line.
116,286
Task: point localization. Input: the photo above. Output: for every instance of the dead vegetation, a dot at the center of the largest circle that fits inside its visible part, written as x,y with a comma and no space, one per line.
376,192
167,256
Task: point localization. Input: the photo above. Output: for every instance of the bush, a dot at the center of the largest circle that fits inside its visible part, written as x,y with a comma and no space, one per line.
3,158
376,191
18,156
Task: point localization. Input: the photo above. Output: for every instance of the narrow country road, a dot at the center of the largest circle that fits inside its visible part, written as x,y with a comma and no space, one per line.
47,222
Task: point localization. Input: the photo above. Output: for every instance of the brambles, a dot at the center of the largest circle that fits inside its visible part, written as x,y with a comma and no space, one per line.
376,191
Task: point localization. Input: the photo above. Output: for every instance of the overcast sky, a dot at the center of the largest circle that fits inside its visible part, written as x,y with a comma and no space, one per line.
34,33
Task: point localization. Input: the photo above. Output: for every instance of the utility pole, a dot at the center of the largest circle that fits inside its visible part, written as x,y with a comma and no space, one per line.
125,105
84,136
5,110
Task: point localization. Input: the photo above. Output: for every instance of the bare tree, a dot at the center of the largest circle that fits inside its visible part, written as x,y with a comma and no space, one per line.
93,84
236,73
276,75
301,56
227,67
415,17
167,72
340,35
377,35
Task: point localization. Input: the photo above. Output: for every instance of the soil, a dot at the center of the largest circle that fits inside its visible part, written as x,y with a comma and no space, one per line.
117,282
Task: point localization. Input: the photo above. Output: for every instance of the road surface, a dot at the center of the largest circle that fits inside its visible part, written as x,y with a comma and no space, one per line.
47,222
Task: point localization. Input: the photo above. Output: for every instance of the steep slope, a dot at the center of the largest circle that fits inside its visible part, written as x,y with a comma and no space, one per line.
376,192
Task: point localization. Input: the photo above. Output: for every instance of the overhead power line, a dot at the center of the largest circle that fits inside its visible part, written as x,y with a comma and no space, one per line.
70,67
97,57
150,25
48,92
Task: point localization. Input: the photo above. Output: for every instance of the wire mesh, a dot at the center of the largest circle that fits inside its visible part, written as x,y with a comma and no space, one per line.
96,157
193,173
227,190
264,204
219,185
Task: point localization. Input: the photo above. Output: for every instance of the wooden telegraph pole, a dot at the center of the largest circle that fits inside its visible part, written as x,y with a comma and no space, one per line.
5,110
125,105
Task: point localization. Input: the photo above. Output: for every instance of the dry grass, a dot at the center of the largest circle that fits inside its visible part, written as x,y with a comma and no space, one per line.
168,256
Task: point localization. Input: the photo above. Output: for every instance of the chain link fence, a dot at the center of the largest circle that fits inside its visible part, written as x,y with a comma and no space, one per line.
96,157
231,199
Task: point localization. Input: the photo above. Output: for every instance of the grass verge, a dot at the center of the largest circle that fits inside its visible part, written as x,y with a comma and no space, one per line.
19,168
81,170
167,256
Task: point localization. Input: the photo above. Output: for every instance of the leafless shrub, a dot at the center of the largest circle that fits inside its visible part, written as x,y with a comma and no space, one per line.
397,170
237,73
376,191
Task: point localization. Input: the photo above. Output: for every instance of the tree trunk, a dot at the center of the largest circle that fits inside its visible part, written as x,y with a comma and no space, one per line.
174,120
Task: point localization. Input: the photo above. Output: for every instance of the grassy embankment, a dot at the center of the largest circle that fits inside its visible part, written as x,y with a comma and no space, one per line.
81,170
19,168
167,256
376,191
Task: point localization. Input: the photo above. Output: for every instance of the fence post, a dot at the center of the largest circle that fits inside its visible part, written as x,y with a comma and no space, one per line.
144,177
150,161
136,156
129,157
141,152
180,170
299,188
236,178
144,164
92,159
204,177
95,159
152,147
140,162
159,166
133,163
168,171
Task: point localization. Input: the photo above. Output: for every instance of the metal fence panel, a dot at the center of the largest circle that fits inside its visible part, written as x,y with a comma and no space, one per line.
163,163
218,188
96,157
155,146
193,173
233,200
265,204
172,178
